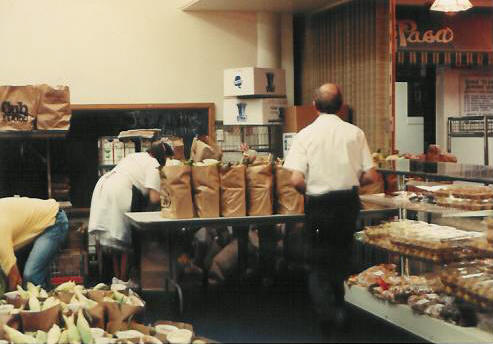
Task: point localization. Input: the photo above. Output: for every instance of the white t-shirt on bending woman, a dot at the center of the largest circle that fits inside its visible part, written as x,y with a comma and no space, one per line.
112,198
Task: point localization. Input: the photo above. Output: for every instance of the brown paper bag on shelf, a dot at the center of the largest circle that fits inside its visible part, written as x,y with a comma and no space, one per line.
178,147
288,200
259,189
233,190
54,108
176,192
18,107
201,150
44,320
206,190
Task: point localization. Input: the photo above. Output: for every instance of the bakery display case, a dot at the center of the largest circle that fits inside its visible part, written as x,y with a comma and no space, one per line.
436,280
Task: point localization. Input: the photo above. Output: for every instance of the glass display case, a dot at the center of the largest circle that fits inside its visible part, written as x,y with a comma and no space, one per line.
431,269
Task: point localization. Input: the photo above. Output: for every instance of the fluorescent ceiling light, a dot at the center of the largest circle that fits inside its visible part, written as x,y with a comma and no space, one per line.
451,5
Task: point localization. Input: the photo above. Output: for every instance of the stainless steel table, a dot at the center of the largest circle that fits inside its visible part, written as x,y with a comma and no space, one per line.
153,222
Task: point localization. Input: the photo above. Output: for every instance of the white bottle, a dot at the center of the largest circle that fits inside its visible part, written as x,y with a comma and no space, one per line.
129,148
118,151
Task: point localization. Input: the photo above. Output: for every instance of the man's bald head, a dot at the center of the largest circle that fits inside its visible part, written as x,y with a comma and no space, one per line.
328,98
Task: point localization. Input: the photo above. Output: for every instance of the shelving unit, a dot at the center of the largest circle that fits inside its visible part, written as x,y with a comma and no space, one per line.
268,142
471,126
46,135
430,329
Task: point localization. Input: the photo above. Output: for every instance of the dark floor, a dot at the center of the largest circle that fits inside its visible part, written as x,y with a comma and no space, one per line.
279,314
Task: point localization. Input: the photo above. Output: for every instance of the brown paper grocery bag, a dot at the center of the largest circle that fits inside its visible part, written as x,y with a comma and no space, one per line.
288,200
259,189
176,192
18,107
44,320
233,190
178,147
206,190
54,108
201,150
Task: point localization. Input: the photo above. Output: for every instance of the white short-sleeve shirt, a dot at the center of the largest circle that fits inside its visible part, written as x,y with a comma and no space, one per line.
332,155
142,169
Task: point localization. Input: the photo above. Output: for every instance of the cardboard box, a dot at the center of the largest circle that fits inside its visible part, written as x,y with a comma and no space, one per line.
298,117
153,264
258,111
253,81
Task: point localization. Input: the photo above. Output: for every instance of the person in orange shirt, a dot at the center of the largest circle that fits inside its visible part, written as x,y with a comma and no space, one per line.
30,220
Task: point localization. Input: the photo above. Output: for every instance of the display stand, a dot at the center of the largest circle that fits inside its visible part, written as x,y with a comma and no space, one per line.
428,328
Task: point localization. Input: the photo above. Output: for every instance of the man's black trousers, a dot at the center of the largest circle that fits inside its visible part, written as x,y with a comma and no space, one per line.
331,224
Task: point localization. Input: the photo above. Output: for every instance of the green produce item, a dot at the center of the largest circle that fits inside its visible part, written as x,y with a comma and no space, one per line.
84,328
119,296
53,335
41,337
63,337
43,294
34,304
24,294
33,290
17,337
88,303
67,286
73,333
49,302
100,286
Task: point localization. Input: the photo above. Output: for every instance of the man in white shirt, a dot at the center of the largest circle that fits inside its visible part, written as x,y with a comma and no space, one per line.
330,159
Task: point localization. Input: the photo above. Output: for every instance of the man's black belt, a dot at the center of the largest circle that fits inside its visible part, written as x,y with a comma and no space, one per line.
333,195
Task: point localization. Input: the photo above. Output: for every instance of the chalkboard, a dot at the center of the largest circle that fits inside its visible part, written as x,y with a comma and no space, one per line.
180,121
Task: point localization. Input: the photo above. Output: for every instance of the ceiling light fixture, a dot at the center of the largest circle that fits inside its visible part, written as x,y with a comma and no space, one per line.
451,5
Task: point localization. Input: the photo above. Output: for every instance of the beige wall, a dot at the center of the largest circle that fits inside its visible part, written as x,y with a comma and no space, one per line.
124,51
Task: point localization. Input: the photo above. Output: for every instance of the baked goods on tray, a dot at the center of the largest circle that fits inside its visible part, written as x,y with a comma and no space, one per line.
423,240
466,192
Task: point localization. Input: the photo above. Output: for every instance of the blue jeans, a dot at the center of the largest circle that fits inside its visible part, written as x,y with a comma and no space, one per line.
44,251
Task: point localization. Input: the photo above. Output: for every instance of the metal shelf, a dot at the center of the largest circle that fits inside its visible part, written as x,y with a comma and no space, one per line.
34,134
471,126
423,326
439,170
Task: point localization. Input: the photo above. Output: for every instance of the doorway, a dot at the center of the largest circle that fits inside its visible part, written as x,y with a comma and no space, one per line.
421,99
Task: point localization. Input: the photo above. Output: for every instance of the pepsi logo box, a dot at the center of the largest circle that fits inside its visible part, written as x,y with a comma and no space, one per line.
253,81
253,111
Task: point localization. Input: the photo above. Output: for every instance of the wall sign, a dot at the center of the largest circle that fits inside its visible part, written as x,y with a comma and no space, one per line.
476,94
420,29
410,34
